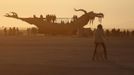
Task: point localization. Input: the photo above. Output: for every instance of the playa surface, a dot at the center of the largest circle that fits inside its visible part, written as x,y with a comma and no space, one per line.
64,56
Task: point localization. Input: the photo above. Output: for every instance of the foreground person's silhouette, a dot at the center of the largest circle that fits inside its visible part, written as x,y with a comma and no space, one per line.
99,41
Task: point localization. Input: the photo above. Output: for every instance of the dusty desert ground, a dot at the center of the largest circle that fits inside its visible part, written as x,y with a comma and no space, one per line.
64,56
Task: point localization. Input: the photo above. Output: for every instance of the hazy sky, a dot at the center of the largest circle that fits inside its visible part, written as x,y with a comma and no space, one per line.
118,13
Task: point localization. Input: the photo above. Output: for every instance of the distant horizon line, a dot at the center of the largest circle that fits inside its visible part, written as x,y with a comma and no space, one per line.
92,28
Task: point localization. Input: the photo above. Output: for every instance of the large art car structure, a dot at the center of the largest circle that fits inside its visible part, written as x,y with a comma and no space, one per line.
48,24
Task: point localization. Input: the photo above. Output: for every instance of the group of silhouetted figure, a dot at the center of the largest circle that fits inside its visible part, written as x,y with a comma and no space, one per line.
32,31
11,31
52,19
88,32
84,32
118,32
14,31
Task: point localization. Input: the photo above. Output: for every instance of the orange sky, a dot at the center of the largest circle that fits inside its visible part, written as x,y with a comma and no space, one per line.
118,13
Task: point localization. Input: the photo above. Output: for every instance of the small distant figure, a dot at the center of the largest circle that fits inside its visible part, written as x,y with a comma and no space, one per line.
10,31
99,41
13,31
28,31
5,31
17,31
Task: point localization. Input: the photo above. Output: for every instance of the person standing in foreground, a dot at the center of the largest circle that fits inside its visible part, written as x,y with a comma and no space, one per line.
99,40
